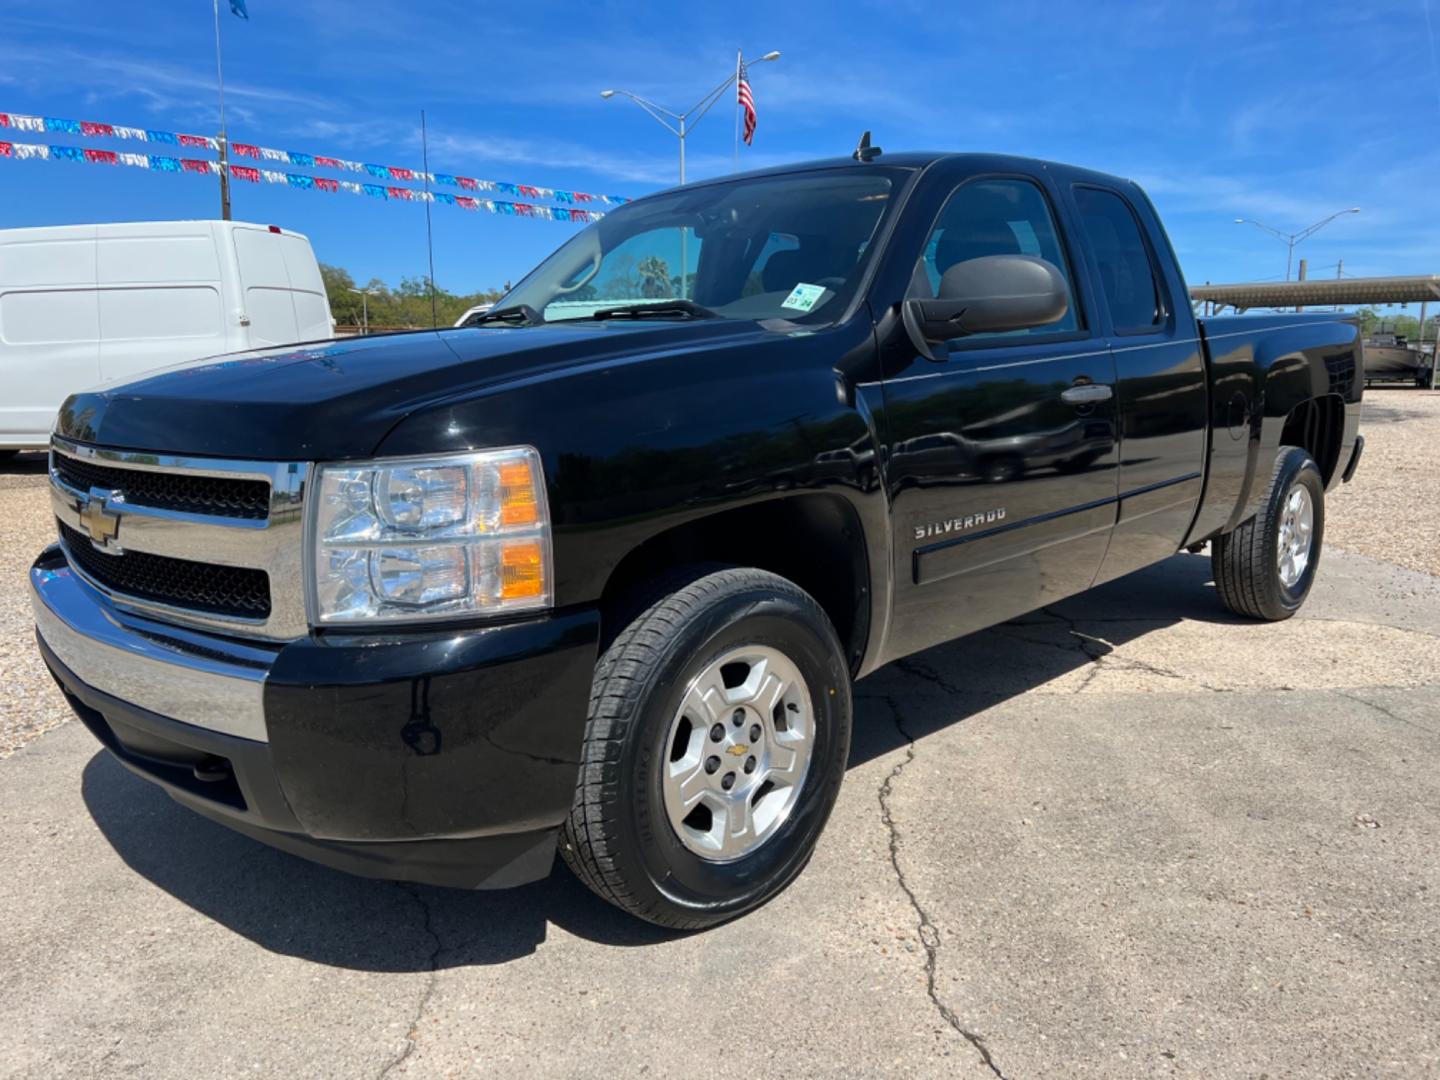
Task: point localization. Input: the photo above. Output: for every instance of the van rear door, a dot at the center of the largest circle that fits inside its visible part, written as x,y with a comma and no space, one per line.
307,289
265,283
49,329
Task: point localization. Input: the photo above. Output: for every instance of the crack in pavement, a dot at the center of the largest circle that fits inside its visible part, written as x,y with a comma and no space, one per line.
399,1059
1383,711
925,928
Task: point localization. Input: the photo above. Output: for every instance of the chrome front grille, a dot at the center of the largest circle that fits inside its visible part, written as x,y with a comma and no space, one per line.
205,542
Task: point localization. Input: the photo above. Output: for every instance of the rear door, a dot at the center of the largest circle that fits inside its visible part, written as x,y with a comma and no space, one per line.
307,289
49,329
1160,373
1001,468
265,286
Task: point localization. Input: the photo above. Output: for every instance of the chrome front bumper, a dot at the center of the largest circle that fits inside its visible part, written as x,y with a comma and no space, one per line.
196,678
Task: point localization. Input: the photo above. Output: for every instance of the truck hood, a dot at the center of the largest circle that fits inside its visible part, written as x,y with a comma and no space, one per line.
337,399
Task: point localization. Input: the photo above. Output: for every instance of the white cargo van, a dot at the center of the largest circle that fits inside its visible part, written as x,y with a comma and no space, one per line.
87,304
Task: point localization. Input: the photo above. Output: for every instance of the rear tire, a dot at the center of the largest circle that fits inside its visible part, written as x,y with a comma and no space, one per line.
625,837
1265,568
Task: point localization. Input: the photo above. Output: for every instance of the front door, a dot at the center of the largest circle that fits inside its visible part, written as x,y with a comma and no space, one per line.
1003,455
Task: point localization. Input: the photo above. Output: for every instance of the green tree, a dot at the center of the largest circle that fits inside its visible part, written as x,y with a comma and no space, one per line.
407,306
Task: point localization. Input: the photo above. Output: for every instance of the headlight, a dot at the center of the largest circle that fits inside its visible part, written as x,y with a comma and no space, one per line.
437,538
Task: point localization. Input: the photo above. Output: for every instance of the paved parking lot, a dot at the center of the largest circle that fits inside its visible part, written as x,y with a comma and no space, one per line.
1128,836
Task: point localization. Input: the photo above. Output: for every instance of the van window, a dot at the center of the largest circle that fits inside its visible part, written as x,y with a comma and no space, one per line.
1126,274
49,317
1004,216
159,313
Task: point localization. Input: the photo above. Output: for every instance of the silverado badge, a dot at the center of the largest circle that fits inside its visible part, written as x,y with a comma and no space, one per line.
959,524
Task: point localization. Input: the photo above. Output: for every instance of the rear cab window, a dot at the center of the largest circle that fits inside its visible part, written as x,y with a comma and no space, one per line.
1123,259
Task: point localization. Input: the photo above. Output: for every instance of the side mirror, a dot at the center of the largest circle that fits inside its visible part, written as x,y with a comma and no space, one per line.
988,295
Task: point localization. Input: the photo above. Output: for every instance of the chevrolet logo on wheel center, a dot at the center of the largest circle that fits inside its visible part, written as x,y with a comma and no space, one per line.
97,519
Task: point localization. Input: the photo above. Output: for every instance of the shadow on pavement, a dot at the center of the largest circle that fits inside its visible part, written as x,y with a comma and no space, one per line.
297,908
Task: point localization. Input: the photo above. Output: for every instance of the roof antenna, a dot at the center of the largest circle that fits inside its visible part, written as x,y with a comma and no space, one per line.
866,152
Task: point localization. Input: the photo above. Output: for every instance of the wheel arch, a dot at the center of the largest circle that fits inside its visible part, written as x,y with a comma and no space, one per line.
815,540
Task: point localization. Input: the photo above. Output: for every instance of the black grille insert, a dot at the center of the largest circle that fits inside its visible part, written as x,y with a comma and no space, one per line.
217,496
219,590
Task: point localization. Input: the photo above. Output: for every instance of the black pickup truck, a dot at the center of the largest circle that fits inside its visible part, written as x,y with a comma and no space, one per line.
599,570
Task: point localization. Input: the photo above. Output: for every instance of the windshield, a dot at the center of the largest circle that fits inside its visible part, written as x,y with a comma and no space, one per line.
788,247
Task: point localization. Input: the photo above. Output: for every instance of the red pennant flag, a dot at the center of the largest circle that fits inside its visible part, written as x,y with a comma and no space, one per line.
246,149
400,193
191,164
89,127
460,200
327,183
401,174
4,119
328,163
5,150
467,183
193,140
245,172
101,157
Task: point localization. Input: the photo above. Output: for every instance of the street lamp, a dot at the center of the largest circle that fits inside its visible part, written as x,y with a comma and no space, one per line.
684,122
365,295
1291,239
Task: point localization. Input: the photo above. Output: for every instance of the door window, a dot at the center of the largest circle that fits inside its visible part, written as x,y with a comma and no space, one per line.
1003,216
1127,275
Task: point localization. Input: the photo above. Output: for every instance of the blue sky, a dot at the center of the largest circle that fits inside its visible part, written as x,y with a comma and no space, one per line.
1283,112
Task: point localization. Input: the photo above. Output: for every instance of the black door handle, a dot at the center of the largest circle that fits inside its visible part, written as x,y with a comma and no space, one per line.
1086,394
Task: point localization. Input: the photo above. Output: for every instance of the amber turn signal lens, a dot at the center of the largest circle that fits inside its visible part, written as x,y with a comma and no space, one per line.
522,570
519,504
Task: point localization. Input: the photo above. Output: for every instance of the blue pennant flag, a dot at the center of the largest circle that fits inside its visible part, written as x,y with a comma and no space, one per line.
237,7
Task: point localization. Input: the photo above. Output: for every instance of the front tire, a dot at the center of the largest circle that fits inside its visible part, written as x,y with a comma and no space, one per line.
717,739
1265,568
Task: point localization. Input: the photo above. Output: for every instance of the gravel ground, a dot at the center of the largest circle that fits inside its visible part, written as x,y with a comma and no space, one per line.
1388,512
29,702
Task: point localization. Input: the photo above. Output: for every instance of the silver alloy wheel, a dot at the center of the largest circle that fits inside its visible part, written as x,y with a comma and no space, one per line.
737,752
1297,524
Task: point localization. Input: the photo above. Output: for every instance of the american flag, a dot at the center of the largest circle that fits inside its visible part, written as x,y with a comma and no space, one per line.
747,102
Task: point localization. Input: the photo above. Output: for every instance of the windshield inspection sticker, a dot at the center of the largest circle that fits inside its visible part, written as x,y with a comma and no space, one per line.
804,297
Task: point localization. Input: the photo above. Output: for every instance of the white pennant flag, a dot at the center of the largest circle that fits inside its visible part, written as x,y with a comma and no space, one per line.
31,150
138,161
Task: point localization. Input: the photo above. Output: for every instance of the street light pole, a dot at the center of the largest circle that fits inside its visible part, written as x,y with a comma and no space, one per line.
1291,239
684,123
224,140
365,295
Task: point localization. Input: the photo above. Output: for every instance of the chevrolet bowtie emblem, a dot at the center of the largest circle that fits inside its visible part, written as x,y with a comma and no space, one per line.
97,519
738,750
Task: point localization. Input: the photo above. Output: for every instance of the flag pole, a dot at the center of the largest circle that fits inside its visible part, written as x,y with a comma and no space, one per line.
224,142
735,162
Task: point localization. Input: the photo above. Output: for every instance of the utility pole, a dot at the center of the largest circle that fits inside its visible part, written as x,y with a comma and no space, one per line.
223,141
1299,308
